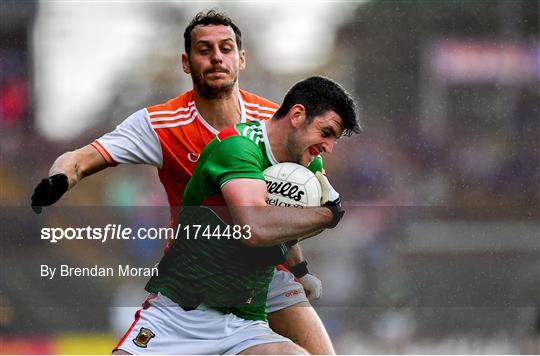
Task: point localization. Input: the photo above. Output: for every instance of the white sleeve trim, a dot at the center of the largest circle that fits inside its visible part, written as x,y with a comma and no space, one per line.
134,141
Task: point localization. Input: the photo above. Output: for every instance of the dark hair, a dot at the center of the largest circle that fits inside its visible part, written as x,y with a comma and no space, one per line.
319,95
211,17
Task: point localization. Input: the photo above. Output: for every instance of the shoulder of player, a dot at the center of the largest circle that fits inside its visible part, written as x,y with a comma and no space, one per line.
258,106
234,148
251,132
174,112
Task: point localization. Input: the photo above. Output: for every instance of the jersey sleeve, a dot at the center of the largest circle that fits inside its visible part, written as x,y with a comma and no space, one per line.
234,157
134,141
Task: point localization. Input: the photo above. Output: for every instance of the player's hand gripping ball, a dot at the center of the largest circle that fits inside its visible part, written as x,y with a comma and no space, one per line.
330,200
290,184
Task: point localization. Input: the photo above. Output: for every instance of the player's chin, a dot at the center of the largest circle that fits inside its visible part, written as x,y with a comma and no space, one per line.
306,160
220,84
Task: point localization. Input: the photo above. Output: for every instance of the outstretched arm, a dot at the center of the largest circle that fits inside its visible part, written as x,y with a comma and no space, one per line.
78,164
65,172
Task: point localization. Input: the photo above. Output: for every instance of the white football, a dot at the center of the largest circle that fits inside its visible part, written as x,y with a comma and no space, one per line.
290,184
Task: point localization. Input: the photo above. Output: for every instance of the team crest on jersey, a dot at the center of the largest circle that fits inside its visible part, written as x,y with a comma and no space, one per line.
193,157
143,337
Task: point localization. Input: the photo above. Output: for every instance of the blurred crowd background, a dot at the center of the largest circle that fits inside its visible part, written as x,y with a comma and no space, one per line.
439,251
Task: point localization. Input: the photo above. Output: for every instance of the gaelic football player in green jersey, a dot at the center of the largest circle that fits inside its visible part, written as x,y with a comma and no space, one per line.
221,280
214,58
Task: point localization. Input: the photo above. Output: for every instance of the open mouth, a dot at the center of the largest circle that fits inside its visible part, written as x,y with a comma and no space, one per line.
313,151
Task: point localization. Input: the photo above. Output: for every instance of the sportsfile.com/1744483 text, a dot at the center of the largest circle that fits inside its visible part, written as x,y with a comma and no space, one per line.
119,232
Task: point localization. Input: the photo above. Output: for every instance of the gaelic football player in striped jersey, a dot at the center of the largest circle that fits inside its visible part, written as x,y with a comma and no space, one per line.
211,291
170,136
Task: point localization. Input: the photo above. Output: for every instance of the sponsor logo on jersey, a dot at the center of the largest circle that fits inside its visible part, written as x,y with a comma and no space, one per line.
143,337
292,293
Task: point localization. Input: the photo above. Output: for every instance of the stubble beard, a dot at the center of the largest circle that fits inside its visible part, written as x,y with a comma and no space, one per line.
209,92
293,148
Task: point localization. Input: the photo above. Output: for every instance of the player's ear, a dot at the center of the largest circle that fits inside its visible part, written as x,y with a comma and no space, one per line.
185,63
243,58
297,115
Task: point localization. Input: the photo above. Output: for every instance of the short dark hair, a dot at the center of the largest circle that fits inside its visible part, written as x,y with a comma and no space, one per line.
319,95
210,17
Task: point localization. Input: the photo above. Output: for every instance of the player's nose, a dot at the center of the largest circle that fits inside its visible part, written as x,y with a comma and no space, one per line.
217,56
328,145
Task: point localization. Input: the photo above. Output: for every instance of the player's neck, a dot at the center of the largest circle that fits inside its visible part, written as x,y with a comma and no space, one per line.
277,138
220,112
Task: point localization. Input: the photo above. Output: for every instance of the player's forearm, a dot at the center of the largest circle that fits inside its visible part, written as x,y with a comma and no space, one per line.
274,225
65,172
67,164
78,164
294,256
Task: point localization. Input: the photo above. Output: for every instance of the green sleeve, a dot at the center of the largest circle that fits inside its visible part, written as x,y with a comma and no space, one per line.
234,157
316,165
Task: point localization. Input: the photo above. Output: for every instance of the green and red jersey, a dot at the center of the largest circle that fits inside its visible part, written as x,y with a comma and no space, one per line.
220,271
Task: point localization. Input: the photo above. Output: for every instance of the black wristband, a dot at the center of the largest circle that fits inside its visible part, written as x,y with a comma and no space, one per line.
299,270
291,243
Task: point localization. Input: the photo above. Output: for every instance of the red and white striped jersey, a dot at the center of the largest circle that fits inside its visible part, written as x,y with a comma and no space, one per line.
171,136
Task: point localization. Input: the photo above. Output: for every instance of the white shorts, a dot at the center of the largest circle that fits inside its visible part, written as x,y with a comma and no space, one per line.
162,327
284,291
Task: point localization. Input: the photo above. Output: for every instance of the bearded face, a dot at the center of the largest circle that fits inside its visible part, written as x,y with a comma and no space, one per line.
215,61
